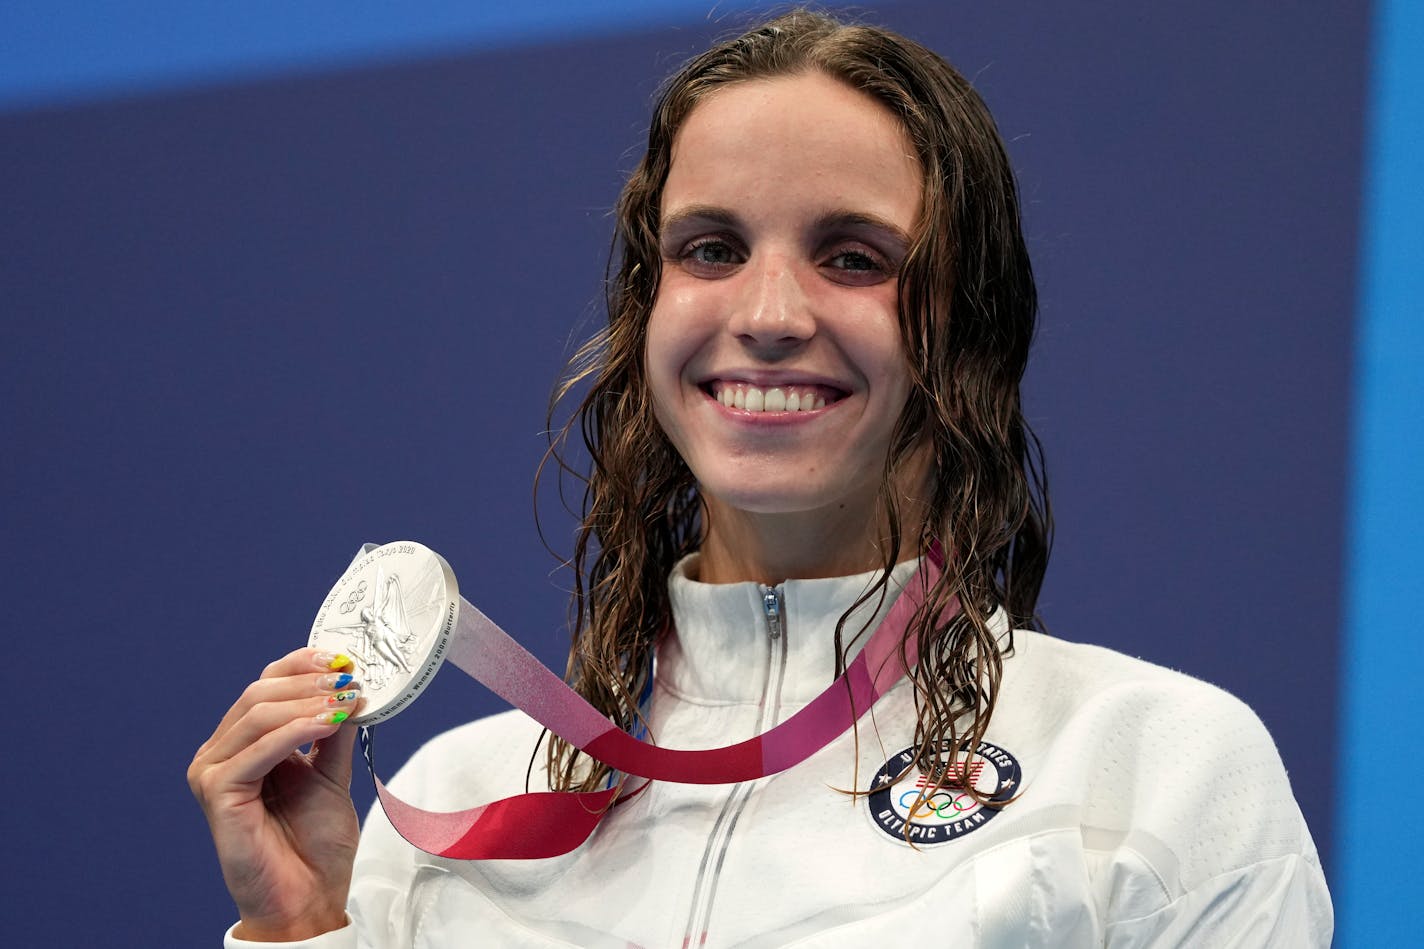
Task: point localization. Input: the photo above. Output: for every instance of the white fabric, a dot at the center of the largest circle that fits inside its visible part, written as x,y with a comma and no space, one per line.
1154,812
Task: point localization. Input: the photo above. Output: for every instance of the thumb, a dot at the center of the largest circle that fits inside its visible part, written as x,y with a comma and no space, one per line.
331,756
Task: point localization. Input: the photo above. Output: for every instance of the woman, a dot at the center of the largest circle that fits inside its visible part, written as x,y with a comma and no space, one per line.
808,386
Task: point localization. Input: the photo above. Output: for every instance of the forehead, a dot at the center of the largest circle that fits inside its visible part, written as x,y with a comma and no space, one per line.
804,143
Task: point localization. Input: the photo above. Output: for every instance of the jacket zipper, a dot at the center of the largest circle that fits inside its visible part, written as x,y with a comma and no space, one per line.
704,891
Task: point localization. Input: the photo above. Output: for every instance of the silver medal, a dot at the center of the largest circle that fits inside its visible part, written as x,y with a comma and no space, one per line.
392,612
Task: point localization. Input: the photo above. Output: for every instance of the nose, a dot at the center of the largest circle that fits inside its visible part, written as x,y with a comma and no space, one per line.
773,310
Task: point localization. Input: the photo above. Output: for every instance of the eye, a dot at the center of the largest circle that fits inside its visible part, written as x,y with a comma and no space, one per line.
712,251
854,260
710,256
857,265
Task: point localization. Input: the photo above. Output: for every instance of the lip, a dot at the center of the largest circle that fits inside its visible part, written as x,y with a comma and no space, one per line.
771,378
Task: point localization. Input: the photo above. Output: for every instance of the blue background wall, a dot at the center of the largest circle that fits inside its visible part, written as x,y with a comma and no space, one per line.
275,285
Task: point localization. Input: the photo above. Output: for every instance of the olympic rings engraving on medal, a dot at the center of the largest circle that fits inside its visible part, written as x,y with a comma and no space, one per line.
353,601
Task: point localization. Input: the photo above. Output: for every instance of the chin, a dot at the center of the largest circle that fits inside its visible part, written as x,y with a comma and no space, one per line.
786,498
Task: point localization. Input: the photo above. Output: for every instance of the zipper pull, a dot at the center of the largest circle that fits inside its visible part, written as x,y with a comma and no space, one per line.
771,605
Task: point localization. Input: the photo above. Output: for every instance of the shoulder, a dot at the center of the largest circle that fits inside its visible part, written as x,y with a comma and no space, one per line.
1132,698
1183,768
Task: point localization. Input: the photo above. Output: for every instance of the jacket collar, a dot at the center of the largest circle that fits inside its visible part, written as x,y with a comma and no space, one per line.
722,642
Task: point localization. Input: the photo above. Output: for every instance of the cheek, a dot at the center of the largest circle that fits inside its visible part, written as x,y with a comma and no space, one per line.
884,358
663,359
657,349
899,373
675,336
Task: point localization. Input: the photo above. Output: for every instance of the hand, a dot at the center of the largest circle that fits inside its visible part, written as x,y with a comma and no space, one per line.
282,819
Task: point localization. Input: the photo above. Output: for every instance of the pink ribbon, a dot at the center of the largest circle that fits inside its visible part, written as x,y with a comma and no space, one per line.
550,823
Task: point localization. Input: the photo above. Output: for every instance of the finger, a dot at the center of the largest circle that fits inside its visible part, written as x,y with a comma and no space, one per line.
304,684
332,755
244,771
321,712
308,659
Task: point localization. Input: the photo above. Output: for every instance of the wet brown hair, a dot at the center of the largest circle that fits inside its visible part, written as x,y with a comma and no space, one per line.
967,306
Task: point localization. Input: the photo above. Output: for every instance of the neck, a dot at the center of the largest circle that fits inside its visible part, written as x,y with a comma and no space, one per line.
803,545
851,535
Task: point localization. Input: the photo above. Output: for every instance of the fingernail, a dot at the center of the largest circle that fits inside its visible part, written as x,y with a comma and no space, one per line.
341,697
340,681
332,718
334,661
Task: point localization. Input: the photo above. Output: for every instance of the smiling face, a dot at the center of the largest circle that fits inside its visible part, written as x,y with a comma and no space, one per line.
773,352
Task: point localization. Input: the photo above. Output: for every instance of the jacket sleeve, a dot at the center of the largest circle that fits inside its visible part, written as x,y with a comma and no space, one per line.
1226,856
1280,903
343,938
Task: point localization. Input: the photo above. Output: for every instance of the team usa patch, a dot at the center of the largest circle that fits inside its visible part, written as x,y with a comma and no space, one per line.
897,801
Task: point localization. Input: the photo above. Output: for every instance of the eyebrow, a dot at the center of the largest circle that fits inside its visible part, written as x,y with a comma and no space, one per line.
699,214
842,218
832,220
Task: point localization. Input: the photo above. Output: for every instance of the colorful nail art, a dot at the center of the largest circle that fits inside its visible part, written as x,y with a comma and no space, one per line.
338,682
332,718
341,697
339,661
325,660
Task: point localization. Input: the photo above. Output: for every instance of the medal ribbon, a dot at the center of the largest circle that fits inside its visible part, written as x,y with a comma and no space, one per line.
550,823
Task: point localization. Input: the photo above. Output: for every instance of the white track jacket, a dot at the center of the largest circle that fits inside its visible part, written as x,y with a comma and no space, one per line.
1152,810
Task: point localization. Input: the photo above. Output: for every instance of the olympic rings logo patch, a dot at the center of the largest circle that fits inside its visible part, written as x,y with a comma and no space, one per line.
901,799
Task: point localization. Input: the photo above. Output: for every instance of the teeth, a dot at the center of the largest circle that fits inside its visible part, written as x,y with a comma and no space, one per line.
776,399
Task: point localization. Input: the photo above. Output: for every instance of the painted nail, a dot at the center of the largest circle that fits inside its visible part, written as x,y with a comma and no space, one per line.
342,697
332,718
339,681
334,661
